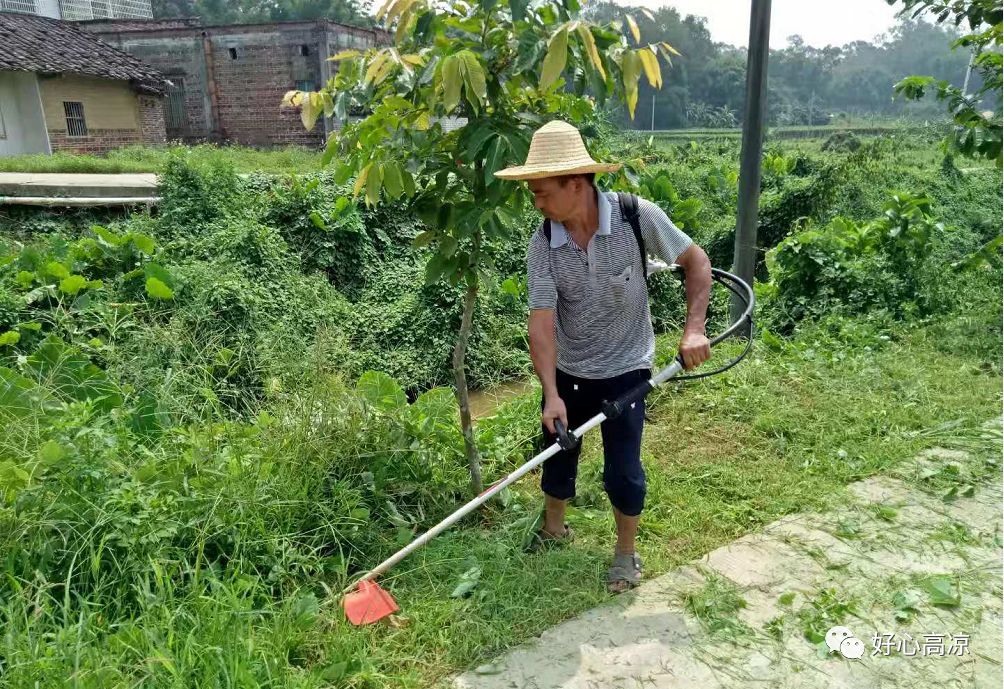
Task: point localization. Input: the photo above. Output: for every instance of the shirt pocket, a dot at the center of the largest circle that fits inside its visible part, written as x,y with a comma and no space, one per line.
620,286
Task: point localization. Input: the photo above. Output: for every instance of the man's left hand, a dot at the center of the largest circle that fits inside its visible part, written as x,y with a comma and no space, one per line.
695,349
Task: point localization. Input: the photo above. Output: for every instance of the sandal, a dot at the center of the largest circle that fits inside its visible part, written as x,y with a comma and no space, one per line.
624,573
543,540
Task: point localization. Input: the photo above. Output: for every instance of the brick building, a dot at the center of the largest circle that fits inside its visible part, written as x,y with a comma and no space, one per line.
227,82
62,89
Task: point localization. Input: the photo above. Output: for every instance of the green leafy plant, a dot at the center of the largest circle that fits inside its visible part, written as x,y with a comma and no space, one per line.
858,266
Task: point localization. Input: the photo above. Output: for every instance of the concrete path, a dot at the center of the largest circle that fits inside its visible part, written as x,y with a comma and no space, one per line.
743,615
77,185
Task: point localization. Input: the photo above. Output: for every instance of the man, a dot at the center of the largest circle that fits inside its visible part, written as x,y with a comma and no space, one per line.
591,336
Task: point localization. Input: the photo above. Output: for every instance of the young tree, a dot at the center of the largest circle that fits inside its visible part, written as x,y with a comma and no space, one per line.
505,67
976,132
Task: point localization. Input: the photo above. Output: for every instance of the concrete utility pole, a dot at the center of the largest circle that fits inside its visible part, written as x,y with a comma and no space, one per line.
755,111
969,70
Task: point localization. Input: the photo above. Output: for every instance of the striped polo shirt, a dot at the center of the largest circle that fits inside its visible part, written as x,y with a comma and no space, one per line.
603,325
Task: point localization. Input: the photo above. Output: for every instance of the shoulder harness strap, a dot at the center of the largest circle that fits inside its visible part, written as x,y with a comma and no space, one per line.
629,211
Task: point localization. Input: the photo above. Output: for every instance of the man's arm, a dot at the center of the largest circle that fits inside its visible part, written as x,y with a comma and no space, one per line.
695,348
544,355
543,348
670,243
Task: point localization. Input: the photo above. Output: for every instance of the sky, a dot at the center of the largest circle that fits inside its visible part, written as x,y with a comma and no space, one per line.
818,22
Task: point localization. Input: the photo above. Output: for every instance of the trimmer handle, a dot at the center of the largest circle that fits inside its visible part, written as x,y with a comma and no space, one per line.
566,440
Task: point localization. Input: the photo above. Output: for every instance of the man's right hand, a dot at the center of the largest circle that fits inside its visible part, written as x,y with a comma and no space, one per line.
554,408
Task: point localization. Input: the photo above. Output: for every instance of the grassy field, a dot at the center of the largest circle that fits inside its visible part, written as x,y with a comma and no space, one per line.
783,432
299,159
152,159
780,133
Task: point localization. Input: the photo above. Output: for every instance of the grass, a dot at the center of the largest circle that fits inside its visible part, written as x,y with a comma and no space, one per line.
780,132
152,159
783,432
725,457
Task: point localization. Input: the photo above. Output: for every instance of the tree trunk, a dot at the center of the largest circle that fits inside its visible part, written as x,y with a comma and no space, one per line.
460,378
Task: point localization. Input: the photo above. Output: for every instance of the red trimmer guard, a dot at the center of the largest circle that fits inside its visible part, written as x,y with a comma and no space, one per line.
368,603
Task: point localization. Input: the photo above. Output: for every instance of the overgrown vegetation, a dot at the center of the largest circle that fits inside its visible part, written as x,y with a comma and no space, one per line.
153,159
216,413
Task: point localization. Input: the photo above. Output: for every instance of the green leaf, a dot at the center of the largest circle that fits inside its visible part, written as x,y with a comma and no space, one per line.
305,610
341,107
155,270
69,374
392,180
518,9
374,181
474,78
57,270
106,235
475,139
586,34
318,220
495,159
557,57
409,184
633,25
310,109
25,278
468,580
18,395
529,50
423,239
942,590
50,452
72,284
448,246
381,391
630,72
452,82
156,289
786,598
10,337
908,600
144,243
435,268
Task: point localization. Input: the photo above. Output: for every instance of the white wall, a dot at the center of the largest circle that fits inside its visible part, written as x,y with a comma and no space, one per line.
23,128
48,8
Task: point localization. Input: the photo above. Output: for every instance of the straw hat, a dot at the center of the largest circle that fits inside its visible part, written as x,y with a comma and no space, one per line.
556,149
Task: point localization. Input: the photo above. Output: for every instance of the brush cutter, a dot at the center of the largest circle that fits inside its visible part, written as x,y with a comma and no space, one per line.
368,602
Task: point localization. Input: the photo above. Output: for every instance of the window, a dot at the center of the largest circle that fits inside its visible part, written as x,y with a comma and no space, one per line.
233,53
305,85
18,6
177,116
304,50
75,124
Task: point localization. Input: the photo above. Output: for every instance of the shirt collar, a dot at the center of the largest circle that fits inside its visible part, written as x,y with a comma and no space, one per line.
559,235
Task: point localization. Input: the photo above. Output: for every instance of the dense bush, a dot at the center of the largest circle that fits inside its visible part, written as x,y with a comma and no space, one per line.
853,267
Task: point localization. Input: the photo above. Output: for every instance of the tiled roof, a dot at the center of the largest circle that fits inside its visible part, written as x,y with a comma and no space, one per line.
49,46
